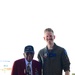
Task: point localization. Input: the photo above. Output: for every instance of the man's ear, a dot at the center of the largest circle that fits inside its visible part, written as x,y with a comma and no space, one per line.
54,36
24,54
44,38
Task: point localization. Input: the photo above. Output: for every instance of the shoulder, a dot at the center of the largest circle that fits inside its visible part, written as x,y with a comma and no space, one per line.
19,60
61,49
36,62
58,47
42,50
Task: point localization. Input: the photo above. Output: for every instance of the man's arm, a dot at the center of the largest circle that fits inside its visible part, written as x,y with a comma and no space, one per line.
14,70
65,62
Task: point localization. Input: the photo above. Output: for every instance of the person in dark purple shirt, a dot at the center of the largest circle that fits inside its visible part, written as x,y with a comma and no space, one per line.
20,66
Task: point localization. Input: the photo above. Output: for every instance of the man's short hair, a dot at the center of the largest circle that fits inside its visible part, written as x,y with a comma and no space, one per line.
49,30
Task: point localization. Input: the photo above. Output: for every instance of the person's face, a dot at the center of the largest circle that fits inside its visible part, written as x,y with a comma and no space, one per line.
29,56
49,37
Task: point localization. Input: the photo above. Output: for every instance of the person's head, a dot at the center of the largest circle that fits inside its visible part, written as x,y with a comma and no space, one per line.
29,52
49,35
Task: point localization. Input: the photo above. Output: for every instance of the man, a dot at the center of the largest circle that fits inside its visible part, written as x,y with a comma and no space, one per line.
53,58
26,66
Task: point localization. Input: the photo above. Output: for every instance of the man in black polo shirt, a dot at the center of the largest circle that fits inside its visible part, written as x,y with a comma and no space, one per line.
53,58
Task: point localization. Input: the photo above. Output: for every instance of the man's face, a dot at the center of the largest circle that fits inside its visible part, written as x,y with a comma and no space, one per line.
49,37
29,56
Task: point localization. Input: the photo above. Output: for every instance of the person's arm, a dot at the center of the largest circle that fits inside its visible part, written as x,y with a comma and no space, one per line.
67,73
14,69
65,62
39,57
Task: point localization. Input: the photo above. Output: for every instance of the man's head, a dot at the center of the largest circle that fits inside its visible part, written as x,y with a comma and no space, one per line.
29,52
49,35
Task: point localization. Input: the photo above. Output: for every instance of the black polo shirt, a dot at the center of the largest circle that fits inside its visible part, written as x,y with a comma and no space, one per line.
54,61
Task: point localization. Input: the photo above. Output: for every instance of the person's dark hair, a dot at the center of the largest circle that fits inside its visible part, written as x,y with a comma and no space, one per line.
48,29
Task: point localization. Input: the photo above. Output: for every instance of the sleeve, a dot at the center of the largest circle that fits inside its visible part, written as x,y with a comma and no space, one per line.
39,69
14,69
65,61
39,57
